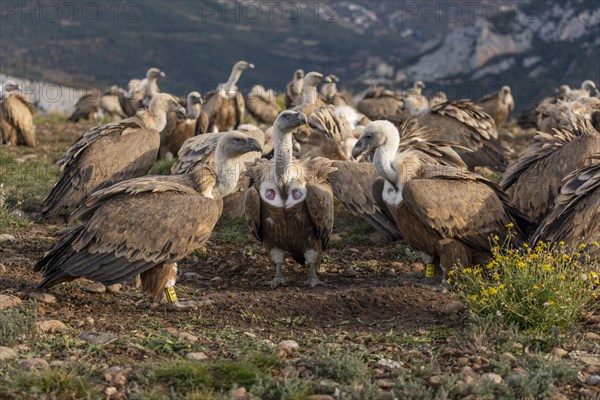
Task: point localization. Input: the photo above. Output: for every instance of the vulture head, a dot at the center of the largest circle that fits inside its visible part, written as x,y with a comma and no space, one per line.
164,102
194,98
243,65
299,74
376,134
132,87
288,121
313,79
234,144
590,87
154,73
9,87
418,87
563,90
415,106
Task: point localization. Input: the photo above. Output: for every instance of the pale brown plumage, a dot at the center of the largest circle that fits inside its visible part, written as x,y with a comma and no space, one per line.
537,175
467,125
16,117
575,217
447,213
138,225
498,105
324,135
131,99
88,107
289,206
109,104
383,104
226,107
261,105
109,154
330,94
293,90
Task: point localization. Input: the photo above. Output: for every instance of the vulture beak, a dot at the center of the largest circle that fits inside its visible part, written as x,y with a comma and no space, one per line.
253,145
251,66
302,119
181,112
326,80
360,147
162,74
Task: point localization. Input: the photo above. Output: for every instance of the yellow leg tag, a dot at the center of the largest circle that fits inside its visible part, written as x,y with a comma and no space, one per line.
430,271
171,295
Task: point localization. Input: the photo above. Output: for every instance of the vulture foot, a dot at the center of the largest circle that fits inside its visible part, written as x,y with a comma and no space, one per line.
190,305
313,281
278,281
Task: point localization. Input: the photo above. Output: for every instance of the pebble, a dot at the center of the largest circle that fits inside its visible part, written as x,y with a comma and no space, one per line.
51,326
595,319
94,288
509,357
196,356
6,353
591,336
289,346
386,383
217,280
497,379
188,337
435,381
462,361
115,376
385,396
415,354
388,363
238,394
34,363
89,321
111,390
558,352
455,307
594,380
43,297
98,337
192,276
335,238
5,237
57,363
116,288
7,301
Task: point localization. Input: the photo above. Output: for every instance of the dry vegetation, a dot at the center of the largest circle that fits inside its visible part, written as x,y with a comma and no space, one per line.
371,333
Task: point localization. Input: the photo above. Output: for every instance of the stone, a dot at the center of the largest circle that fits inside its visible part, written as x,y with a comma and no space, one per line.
385,396
5,238
509,357
455,307
43,297
7,301
238,394
557,352
98,338
116,288
187,337
591,336
196,356
94,288
192,276
594,380
386,383
435,381
462,361
111,390
115,376
289,346
57,363
39,363
415,354
217,280
336,237
51,326
6,353
2,268
388,363
497,379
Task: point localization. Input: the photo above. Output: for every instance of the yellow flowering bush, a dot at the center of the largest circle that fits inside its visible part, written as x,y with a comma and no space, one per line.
538,289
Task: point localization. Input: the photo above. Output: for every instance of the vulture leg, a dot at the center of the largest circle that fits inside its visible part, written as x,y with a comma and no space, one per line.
279,280
452,252
314,261
159,283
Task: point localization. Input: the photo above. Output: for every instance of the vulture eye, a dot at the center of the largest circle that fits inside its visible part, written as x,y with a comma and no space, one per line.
237,140
270,194
297,194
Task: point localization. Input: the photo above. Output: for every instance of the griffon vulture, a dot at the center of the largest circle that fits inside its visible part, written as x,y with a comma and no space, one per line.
225,107
331,95
310,95
498,105
131,99
145,226
262,106
289,206
16,117
109,154
293,90
88,107
178,130
148,86
575,217
537,175
448,214
467,125
110,105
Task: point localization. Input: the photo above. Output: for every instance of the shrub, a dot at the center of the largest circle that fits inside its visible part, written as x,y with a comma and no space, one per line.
537,289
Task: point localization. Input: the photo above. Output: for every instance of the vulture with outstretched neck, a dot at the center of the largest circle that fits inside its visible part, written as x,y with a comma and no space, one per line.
225,107
536,177
575,217
447,213
178,130
310,94
131,99
149,86
109,154
331,95
466,125
145,226
498,105
16,117
293,90
289,206
262,106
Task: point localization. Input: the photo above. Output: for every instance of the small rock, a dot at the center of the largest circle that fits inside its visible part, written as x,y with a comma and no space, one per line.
462,361
589,360
594,380
385,396
509,357
94,288
2,268
7,301
289,346
319,397
388,363
497,379
116,288
520,371
6,353
192,276
335,238
517,346
415,354
239,394
435,381
115,376
111,390
594,319
455,307
558,396
386,384
196,356
57,363
217,280
349,272
89,321
34,363
249,334
51,326
557,352
591,336
188,337
98,337
43,297
5,237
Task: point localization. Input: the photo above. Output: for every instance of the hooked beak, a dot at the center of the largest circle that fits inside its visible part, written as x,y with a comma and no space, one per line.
251,66
359,148
181,112
253,145
301,118
326,80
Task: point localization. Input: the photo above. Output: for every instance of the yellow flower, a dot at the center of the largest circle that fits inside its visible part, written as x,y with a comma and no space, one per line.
546,267
596,244
502,286
561,243
582,246
474,297
510,225
535,287
493,291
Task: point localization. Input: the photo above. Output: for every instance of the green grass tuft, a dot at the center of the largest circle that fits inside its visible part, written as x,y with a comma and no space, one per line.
16,324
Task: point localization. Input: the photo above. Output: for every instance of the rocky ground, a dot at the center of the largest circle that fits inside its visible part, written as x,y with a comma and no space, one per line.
369,333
